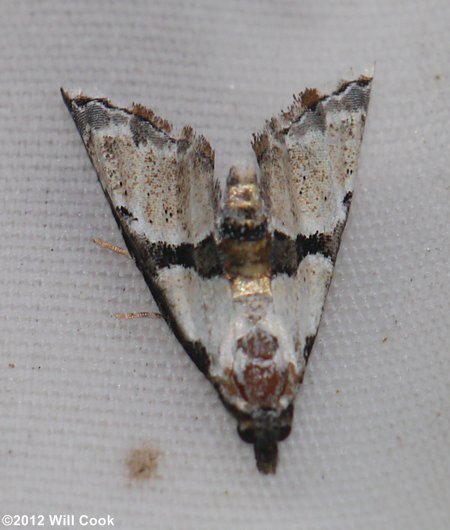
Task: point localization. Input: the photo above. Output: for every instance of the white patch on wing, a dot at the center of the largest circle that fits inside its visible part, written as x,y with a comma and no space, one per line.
298,300
202,307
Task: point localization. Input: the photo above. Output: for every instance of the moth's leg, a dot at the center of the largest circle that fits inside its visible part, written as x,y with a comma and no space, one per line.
123,252
142,314
109,246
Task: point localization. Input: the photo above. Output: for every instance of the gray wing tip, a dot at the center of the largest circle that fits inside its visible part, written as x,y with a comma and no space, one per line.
311,97
76,104
82,99
363,81
308,100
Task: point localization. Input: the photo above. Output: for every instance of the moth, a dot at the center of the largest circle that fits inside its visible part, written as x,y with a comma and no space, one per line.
239,272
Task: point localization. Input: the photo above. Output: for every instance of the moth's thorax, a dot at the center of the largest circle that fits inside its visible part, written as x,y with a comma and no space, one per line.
246,243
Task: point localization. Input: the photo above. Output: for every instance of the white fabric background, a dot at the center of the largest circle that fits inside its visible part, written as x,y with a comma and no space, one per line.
370,444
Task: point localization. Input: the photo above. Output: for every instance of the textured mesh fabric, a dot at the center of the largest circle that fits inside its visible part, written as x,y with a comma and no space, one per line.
80,390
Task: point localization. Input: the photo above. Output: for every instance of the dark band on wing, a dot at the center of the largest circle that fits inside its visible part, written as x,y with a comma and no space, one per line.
203,257
288,253
325,244
206,257
284,254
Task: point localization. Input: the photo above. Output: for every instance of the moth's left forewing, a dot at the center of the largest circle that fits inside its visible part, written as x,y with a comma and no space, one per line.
162,192
308,159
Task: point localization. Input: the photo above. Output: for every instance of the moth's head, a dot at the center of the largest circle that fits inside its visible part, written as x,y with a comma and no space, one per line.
242,174
242,195
264,430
